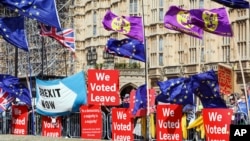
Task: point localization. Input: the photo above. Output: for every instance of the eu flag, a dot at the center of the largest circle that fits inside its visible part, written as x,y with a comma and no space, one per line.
238,4
43,11
13,87
129,48
140,99
177,90
12,30
206,87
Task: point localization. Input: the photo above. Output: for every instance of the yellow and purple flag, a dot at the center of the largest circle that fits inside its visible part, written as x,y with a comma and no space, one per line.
215,21
177,19
130,26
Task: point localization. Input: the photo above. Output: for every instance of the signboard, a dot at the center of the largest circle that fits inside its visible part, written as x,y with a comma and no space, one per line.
217,123
19,121
122,125
91,122
51,127
225,78
168,122
103,87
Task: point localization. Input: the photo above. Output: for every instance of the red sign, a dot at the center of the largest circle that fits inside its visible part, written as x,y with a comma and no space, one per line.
122,125
51,127
217,123
103,87
168,122
19,119
91,122
225,78
143,112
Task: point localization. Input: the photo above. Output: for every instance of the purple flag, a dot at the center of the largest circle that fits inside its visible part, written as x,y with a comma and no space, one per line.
177,19
129,26
215,21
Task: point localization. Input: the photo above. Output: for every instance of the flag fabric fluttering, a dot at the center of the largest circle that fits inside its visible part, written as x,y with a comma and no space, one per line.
129,48
215,21
65,36
238,4
14,33
12,86
176,91
177,19
5,100
43,11
130,26
206,86
140,99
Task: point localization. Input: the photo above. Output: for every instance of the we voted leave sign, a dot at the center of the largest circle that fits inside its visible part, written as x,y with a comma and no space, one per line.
217,123
168,122
103,87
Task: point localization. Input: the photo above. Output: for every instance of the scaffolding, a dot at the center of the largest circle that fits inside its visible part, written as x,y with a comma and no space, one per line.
46,57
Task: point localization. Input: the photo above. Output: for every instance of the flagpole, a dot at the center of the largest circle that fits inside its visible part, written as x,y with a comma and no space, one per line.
146,76
243,78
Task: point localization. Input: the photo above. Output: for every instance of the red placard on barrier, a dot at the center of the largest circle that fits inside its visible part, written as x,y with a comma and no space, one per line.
91,122
19,119
217,123
103,87
51,127
168,122
122,125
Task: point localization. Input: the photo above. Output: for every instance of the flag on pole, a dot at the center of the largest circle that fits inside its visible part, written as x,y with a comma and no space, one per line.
140,99
11,85
130,26
43,11
129,48
178,19
176,91
65,37
215,21
238,4
5,100
12,30
206,87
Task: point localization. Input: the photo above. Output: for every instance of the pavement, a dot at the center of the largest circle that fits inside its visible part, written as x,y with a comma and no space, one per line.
10,137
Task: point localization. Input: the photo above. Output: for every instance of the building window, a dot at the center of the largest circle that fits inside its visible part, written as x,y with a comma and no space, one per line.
94,18
160,44
133,7
161,59
201,4
226,54
161,3
161,14
193,57
94,30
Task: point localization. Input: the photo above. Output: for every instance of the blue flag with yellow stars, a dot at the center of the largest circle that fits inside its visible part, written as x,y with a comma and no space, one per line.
206,87
140,99
14,88
43,11
238,4
129,48
176,91
12,30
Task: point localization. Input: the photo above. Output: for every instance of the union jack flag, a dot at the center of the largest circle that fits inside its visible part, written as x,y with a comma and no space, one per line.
65,36
5,100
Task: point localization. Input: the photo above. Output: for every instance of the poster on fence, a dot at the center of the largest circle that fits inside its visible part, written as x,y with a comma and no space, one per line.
19,122
168,122
122,125
91,122
103,87
51,127
225,78
217,123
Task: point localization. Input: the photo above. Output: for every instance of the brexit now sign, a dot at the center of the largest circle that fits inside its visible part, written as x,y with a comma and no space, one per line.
103,87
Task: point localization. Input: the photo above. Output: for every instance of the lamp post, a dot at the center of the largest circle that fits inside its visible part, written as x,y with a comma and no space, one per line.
108,60
91,57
